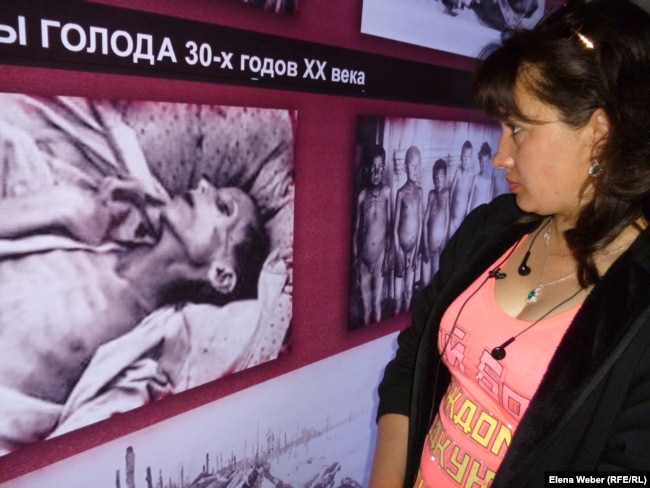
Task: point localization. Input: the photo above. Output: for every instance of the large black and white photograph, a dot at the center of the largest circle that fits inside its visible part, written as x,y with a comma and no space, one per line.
311,428
456,26
415,180
145,248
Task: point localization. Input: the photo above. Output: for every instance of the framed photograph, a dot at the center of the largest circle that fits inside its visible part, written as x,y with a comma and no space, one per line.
416,179
457,26
312,428
145,248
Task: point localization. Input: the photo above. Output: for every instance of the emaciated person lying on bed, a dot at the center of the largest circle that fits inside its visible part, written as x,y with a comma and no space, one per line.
57,306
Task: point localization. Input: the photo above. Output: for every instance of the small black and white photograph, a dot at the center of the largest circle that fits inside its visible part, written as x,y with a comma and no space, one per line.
275,6
146,248
457,26
415,181
320,438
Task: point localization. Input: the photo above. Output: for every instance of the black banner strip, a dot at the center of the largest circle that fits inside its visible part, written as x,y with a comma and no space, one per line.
83,36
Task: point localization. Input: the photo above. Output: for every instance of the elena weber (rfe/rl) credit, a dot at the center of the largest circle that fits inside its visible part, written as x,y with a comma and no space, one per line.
601,479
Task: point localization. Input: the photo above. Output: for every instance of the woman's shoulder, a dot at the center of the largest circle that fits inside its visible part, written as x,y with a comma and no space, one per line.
502,210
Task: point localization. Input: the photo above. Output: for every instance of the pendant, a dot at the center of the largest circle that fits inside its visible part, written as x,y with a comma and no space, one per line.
532,295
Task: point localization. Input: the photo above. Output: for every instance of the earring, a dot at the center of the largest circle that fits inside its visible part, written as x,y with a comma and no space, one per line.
594,169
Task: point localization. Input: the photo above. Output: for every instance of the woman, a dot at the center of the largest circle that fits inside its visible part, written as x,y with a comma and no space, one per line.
530,350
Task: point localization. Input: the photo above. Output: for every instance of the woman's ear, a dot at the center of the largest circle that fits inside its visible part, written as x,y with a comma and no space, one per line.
599,124
222,276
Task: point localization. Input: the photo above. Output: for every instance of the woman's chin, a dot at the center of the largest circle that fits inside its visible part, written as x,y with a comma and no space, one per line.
524,204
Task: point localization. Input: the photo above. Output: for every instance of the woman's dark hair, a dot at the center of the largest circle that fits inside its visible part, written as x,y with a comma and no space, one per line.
582,57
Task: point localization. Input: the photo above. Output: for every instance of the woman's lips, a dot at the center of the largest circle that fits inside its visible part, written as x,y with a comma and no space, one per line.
513,185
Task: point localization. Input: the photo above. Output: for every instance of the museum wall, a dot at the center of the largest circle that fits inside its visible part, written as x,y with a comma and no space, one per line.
323,128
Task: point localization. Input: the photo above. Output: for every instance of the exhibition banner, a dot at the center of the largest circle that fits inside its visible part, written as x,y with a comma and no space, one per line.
90,37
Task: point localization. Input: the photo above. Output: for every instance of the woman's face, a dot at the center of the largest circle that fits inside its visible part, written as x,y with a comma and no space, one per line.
546,162
209,223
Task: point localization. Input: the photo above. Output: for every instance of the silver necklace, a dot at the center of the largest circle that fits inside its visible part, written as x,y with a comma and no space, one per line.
499,352
534,294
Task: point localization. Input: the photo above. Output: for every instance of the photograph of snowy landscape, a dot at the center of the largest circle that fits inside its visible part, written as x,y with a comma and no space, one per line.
311,428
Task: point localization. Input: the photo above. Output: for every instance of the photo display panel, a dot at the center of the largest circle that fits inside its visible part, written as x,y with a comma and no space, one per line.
416,179
146,248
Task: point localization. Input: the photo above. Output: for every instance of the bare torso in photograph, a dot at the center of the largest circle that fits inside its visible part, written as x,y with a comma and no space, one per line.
375,205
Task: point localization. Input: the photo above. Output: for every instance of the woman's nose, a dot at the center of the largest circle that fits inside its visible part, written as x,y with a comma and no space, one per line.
503,158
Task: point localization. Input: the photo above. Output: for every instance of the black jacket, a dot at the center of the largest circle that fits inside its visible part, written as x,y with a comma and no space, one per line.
592,408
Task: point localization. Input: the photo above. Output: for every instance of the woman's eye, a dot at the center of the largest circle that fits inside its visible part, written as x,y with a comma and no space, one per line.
515,129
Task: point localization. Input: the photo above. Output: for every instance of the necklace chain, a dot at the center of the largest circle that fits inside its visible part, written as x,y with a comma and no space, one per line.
534,294
499,352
